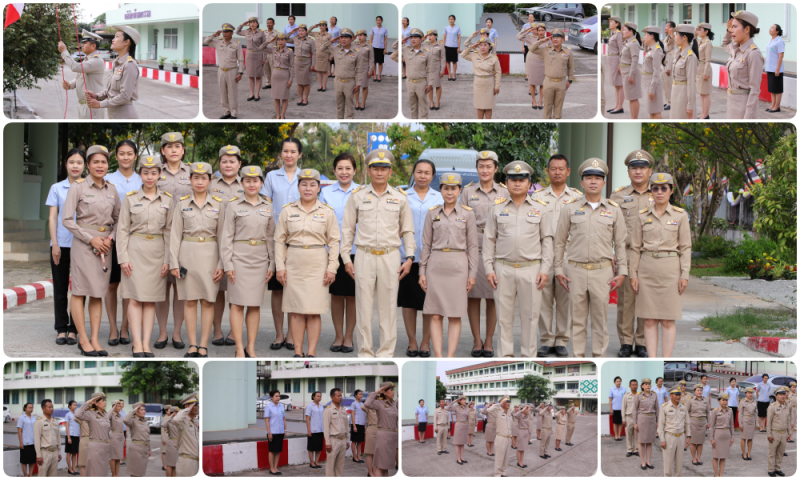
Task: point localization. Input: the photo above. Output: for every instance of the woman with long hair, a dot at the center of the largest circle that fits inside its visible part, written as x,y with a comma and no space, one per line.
73,438
615,44
684,72
629,67
703,79
651,72
745,66
122,86
275,422
254,58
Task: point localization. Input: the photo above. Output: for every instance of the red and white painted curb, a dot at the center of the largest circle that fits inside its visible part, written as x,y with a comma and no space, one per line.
180,79
30,292
775,346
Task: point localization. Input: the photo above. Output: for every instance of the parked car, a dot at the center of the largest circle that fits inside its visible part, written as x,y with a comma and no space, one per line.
451,160
285,400
677,371
6,415
154,412
774,381
79,56
557,11
59,414
585,34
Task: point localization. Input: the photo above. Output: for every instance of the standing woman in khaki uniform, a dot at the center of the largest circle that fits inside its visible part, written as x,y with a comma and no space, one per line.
561,426
436,51
122,86
247,261
629,67
534,63
254,58
83,446
473,423
651,72
703,79
645,413
139,448
721,422
450,258
669,54
384,404
193,247
684,73
322,59
91,212
747,411
523,417
662,251
282,73
461,412
303,52
698,412
171,460
117,439
486,75
613,51
98,450
490,428
745,66
302,264
370,436
514,428
539,415
143,252
367,53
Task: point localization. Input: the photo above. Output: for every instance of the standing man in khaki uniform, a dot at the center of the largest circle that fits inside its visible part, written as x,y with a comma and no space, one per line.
47,441
627,419
555,340
666,74
188,437
674,431
348,64
270,33
441,418
419,73
382,215
334,424
559,71
91,68
230,60
779,431
595,227
547,429
572,415
517,253
631,199
504,424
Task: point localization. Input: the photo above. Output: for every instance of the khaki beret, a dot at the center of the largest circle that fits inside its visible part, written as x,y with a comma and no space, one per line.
518,168
661,178
380,157
191,398
487,155
557,33
172,137
346,32
682,382
250,171
747,17
749,389
136,405
450,178
416,32
639,158
631,25
698,385
707,26
505,399
282,36
173,409
131,32
793,384
433,31
484,40
201,167
230,150
97,149
148,161
683,28
593,166
227,27
303,26
308,174
323,22
652,29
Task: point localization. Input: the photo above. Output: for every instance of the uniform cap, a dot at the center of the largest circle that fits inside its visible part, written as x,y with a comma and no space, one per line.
683,28
541,25
250,171
308,174
631,25
253,19
386,384
86,35
723,396
646,380
518,169
462,397
661,178
172,137
593,166
323,22
450,178
557,33
114,403
781,390
201,167
484,40
707,26
346,32
639,158
230,150
137,405
616,19
505,399
793,384
173,409
652,29
191,398
675,389
698,385
98,395
282,36
747,17
433,31
416,32
148,161
303,26
131,32
361,32
487,155
380,157
749,389
682,382
227,27
97,149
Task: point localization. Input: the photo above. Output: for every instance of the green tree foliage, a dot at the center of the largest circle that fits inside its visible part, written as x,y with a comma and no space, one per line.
534,388
441,390
776,200
498,7
30,45
164,380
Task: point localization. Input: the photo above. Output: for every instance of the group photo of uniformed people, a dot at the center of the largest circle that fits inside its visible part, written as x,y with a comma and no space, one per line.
720,418
284,56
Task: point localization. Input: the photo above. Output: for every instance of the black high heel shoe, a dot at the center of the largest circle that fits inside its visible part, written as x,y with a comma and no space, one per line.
124,340
114,342
93,353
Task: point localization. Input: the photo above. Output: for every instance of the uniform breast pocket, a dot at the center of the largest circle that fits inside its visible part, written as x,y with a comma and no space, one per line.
366,212
393,211
605,227
318,225
264,217
161,213
139,214
649,232
504,225
210,218
189,220
88,200
680,67
294,224
670,232
532,224
578,224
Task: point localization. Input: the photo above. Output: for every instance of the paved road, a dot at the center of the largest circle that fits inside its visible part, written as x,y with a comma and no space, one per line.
350,470
421,460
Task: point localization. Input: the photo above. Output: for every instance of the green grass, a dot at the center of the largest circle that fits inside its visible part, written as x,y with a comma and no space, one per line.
751,322
711,267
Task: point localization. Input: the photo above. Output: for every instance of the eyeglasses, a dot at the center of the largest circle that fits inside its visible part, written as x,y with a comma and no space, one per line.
660,188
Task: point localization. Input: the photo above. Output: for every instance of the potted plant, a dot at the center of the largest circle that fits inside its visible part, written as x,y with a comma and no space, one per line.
161,61
185,63
175,66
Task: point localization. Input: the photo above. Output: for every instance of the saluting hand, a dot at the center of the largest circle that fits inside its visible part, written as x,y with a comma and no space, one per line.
492,279
126,269
281,277
682,286
217,33
564,280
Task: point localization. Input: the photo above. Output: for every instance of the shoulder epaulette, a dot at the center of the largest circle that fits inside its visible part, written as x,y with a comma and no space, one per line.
401,191
657,46
357,189
130,59
95,55
328,206
234,198
467,208
216,198
692,53
578,191
753,46
434,207
110,182
620,189
184,198
287,205
499,200
541,201
715,408
470,183
80,180
644,210
678,209
612,202
664,405
503,185
267,198
539,190
167,193
572,200
131,193
237,41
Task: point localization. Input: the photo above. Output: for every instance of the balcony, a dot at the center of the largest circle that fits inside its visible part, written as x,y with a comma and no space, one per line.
263,372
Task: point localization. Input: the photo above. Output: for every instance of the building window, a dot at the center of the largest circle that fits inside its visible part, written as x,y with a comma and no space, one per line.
653,10
296,386
322,387
491,370
312,385
58,396
505,368
338,383
593,368
560,370
39,395
6,397
18,366
15,397
505,384
351,384
7,370
70,393
30,396
631,13
90,364
520,366
87,393
32,367
559,386
369,384
513,368
470,374
171,38
574,369
671,13
59,365
274,386
687,13
287,386
286,9
572,385
133,398
45,366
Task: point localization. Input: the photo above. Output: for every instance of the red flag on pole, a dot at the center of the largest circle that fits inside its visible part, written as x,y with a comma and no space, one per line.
13,12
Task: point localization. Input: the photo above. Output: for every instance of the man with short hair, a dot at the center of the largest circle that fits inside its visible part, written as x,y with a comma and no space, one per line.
334,422
91,69
547,430
270,33
779,431
420,73
442,426
342,49
627,419
47,441
674,431
230,63
504,423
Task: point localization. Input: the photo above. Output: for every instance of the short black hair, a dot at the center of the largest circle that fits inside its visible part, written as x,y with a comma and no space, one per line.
345,156
70,403
45,402
421,400
335,19
633,380
270,18
26,406
454,17
733,379
357,392
379,17
315,394
292,16
422,160
659,378
557,156
489,20
617,378
765,375
334,390
703,376
671,24
273,392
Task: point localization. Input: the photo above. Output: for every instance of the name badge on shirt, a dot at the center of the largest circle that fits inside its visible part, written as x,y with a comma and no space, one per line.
294,215
217,190
474,198
504,214
627,199
138,205
319,215
437,219
579,212
392,201
461,219
188,209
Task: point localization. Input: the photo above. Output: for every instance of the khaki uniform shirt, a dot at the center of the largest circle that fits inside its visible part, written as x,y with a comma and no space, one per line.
503,420
582,224
473,418
304,48
572,414
441,416
481,202
419,63
488,66
315,227
631,201
558,64
348,62
188,433
720,420
627,404
652,64
381,219
698,407
561,418
644,405
547,418
670,233
116,422
704,50
138,428
281,59
685,398
321,39
791,399
748,410
456,231
46,435
522,419
93,69
225,190
245,221
745,66
99,422
386,410
177,184
489,415
193,220
229,55
84,427
669,51
674,420
518,234
630,56
268,36
779,419
461,412
122,86
555,203
141,215
684,69
437,57
334,422
254,39
372,416
91,204
367,57
615,43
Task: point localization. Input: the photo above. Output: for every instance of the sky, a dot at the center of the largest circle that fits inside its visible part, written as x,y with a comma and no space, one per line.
91,10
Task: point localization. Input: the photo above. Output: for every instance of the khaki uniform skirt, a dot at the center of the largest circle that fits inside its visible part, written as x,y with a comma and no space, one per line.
200,261
680,100
97,456
523,437
613,64
304,292
460,433
88,278
386,448
632,92
656,105
302,70
534,68
491,432
561,431
322,64
748,425
483,91
117,444
250,264
138,455
363,76
658,286
145,283
172,453
647,428
698,425
82,451
703,86
515,428
722,440
447,274
253,64
437,80
369,440
280,76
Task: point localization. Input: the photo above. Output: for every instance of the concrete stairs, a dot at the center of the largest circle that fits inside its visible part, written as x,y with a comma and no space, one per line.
24,241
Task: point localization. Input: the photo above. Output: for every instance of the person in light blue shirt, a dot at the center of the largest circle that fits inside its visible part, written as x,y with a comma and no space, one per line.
410,296
733,397
492,31
61,245
343,288
290,30
27,452
615,395
661,391
275,421
377,38
762,401
406,34
73,440
280,187
316,432
706,388
358,426
336,31
774,67
421,414
452,47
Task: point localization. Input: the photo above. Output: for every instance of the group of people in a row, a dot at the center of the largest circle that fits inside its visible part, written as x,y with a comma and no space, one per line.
293,56
678,68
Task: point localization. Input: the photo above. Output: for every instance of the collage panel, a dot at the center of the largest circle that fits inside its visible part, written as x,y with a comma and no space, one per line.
744,410
292,54
311,418
500,418
489,43
97,61
100,418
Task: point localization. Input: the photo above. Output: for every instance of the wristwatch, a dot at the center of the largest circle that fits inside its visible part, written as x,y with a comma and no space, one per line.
410,257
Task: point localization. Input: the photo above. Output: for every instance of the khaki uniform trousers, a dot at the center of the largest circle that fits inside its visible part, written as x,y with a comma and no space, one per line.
666,86
228,90
345,99
376,280
603,88
512,284
588,293
268,70
776,449
502,445
49,466
626,314
673,454
442,432
554,292
334,465
545,442
570,430
553,97
630,434
83,112
417,98
122,112
186,467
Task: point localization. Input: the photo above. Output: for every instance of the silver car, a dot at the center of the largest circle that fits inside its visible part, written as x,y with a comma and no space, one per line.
154,412
557,11
585,34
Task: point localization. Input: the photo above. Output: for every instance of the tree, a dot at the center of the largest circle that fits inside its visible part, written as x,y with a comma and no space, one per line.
534,388
776,200
30,46
441,390
164,380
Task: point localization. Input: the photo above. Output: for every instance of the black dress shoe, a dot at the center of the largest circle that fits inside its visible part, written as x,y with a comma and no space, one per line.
641,351
191,354
228,341
72,341
475,353
625,351
149,355
548,456
543,457
178,345
115,341
266,87
346,349
521,466
412,353
644,467
629,454
160,345
488,353
124,340
778,472
649,466
424,353
137,355
636,453
276,346
250,99
667,107
63,341
297,355
233,118
543,352
225,116
771,474
562,352
616,112
218,341
559,449
336,348
102,353
289,346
